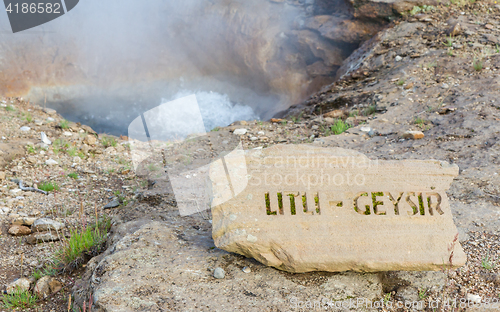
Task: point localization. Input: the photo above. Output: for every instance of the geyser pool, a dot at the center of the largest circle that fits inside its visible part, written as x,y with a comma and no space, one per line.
113,114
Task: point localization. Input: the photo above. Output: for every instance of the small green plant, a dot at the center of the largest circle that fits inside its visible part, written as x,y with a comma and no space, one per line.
72,151
260,123
107,141
187,160
73,175
215,129
10,108
432,64
419,121
80,154
153,167
19,299
354,113
370,110
84,242
28,117
121,161
60,144
487,264
423,8
460,3
400,82
120,195
48,186
415,10
31,149
339,127
387,298
497,48
81,242
38,274
477,64
449,41
450,52
64,124
298,118
422,293
283,122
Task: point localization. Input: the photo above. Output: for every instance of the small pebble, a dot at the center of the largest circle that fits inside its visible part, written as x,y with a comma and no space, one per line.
246,270
45,139
240,131
219,273
51,162
474,298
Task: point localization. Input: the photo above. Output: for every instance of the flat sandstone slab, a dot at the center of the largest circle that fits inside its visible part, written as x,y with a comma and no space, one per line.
302,208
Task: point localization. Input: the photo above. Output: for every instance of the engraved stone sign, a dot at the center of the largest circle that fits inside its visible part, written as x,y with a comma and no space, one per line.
307,208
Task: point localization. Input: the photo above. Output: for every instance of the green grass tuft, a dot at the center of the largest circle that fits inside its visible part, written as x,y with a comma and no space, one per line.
82,242
72,151
48,186
339,127
487,264
31,149
28,117
370,110
449,42
477,64
354,113
59,144
419,121
108,141
20,299
64,124
73,175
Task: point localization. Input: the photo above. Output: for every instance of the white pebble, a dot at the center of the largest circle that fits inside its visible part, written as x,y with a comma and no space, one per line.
241,131
219,273
51,162
474,298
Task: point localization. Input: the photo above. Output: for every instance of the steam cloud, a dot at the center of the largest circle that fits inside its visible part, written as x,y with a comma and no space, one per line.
111,59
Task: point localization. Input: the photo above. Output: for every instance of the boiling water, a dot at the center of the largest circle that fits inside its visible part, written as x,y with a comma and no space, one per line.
217,110
112,114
